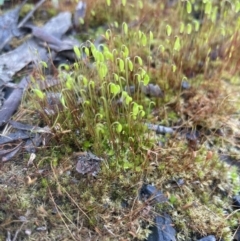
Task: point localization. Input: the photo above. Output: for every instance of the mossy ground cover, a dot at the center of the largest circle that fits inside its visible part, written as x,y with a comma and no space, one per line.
155,49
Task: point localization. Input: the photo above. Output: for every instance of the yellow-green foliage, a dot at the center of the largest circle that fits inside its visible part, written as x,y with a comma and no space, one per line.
158,43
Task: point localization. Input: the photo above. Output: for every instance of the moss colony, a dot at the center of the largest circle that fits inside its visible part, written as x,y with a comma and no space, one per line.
141,63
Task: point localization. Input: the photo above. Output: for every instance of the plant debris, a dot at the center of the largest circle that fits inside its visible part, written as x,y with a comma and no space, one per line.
88,163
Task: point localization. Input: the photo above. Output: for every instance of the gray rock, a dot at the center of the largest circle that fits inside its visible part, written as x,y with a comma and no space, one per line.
149,192
152,90
163,229
208,238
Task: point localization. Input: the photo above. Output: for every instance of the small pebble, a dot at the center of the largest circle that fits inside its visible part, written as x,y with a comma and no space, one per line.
208,238
185,85
236,202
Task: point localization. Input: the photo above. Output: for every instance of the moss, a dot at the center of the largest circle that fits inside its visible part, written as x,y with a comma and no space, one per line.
96,112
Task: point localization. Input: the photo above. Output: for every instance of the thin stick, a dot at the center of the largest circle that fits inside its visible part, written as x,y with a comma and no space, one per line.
29,15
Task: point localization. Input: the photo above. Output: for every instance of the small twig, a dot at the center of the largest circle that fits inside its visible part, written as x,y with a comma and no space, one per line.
105,226
58,208
17,232
76,204
8,236
231,214
160,129
29,15
236,231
